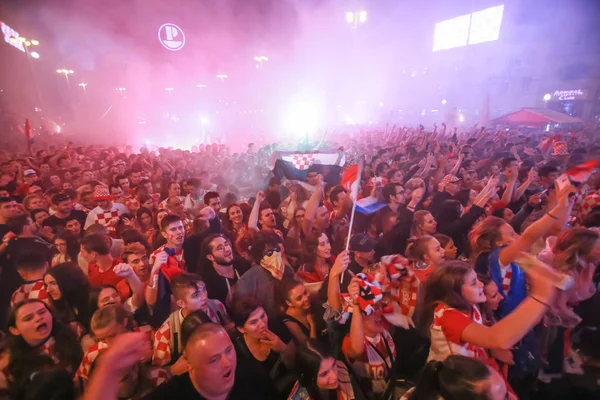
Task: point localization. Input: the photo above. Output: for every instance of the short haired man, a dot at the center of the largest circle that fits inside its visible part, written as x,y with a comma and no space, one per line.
363,252
190,294
64,209
95,249
106,213
213,200
393,195
263,214
108,323
167,261
451,184
211,374
26,238
32,266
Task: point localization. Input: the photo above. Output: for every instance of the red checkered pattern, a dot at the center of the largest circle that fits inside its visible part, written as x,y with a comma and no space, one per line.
506,278
589,203
30,290
158,376
178,256
88,359
94,351
161,350
303,161
132,203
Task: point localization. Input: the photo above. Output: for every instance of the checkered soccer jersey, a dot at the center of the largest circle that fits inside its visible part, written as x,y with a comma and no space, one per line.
95,350
370,365
30,290
446,330
161,350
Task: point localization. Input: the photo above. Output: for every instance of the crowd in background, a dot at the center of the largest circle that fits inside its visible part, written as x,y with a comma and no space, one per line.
176,274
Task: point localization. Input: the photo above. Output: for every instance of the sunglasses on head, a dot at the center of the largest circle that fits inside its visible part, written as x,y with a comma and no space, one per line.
270,252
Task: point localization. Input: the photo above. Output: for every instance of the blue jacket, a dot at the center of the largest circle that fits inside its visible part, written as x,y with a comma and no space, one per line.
517,291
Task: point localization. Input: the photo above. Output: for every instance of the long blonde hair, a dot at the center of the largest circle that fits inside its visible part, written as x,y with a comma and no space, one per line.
484,236
416,229
572,249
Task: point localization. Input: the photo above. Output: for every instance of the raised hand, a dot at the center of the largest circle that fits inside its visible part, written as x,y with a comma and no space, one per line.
340,264
123,270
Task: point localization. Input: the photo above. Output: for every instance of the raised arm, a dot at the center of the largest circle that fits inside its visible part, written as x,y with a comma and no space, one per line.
558,214
510,329
253,218
312,206
357,334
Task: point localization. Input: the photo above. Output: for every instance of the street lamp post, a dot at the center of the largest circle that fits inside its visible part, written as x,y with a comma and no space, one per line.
356,17
260,60
222,77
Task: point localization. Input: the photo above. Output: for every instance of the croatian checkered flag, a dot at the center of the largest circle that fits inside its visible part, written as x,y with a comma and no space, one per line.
295,165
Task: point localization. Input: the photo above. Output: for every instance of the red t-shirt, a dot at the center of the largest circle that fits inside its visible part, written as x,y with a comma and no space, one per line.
108,277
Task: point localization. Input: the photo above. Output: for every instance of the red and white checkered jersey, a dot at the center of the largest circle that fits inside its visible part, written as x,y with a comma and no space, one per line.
178,256
30,290
370,365
95,350
161,349
589,203
506,278
102,217
446,330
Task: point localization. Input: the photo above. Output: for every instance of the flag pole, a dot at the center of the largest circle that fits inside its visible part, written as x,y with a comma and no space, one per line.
354,193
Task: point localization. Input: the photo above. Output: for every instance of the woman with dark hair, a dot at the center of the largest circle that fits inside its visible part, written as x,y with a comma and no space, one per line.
453,294
67,246
298,318
322,377
295,235
68,291
265,345
144,220
316,257
147,202
35,339
459,378
452,220
235,222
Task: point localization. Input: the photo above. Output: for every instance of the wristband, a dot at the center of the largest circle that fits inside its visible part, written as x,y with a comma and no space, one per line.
539,301
551,216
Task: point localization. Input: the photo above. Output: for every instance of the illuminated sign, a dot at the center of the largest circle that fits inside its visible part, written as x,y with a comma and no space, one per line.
478,27
11,37
171,37
577,94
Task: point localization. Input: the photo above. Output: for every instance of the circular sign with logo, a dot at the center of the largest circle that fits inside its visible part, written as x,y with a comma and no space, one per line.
171,37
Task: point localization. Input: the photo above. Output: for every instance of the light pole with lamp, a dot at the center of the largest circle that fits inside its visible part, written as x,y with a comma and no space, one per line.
356,17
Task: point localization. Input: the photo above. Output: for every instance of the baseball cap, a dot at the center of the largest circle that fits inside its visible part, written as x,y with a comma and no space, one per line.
29,172
451,179
59,197
363,243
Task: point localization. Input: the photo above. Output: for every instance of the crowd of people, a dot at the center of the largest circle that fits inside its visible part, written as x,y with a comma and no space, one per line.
202,275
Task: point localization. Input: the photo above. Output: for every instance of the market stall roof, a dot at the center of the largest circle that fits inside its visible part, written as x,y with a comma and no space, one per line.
535,117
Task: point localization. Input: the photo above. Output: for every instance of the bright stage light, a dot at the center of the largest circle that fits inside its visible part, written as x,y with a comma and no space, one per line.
35,54
301,119
444,101
204,120
547,96
362,16
35,42
350,17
